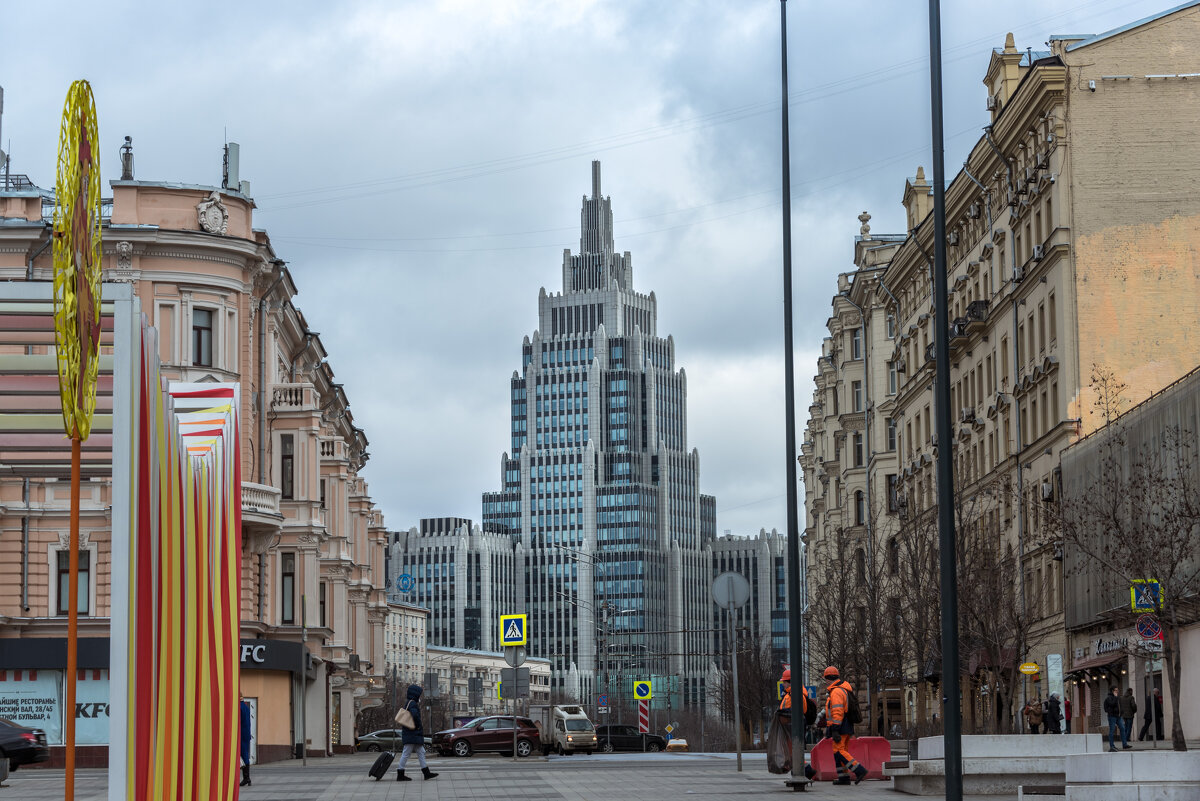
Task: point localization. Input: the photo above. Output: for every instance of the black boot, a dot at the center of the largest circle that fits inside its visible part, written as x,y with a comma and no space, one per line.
429,774
843,780
400,777
245,776
860,773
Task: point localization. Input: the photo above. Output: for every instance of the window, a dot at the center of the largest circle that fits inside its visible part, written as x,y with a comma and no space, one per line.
892,383
891,433
321,603
83,583
858,449
893,486
856,343
287,465
860,565
202,325
860,508
287,589
856,393
893,556
891,327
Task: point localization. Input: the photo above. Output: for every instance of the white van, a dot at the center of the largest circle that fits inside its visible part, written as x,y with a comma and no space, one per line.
564,729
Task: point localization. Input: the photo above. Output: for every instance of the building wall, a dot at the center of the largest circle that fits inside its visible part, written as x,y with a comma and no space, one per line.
1135,217
154,241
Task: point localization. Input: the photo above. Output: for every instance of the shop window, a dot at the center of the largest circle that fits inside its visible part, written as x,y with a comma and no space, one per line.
64,582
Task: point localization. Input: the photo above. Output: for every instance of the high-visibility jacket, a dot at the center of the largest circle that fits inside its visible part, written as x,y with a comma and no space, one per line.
785,703
835,706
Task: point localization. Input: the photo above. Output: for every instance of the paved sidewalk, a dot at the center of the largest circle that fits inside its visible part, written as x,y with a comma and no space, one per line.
601,777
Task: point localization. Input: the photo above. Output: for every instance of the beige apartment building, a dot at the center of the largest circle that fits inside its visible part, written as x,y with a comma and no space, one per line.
313,606
1073,232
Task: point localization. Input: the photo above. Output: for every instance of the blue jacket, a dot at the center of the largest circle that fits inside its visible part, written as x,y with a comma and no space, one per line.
413,705
244,731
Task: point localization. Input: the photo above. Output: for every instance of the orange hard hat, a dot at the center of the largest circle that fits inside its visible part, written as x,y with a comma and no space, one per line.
787,675
831,672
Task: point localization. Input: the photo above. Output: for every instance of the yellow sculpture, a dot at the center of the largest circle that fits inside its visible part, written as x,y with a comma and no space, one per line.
77,260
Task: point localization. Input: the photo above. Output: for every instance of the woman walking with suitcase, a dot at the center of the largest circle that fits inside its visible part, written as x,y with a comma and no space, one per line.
412,736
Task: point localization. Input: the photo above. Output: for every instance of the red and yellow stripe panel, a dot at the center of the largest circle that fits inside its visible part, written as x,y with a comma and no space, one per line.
183,684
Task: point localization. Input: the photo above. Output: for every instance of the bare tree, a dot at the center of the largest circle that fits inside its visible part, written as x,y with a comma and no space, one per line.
1132,515
1110,390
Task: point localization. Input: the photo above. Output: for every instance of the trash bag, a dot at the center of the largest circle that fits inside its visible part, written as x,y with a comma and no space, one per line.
779,743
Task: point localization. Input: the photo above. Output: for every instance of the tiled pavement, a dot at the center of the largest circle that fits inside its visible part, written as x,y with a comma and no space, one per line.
607,777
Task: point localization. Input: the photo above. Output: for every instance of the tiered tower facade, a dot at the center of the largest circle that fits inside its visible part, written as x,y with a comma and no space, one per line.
600,492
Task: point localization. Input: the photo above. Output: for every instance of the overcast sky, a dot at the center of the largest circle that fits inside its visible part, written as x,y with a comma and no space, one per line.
420,166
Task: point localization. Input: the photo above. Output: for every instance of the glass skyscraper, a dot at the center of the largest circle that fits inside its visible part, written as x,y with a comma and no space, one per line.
600,492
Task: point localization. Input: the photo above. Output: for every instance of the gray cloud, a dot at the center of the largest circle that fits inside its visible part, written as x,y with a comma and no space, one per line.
420,164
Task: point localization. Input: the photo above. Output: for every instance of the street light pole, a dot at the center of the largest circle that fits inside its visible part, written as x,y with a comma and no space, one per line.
951,703
795,621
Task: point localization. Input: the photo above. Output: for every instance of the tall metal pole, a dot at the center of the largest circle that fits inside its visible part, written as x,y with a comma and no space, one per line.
795,621
72,621
737,704
304,680
951,703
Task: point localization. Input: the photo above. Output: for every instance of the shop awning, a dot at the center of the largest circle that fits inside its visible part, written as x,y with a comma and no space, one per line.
1096,662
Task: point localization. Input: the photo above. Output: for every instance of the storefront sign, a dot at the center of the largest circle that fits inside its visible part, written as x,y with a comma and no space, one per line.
1111,644
274,655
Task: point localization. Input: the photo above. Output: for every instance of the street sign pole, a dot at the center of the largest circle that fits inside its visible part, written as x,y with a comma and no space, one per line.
737,711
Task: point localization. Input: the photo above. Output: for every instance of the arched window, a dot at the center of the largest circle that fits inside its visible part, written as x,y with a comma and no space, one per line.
860,508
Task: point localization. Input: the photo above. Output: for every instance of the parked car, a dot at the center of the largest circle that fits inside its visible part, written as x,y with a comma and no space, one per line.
619,737
490,733
382,740
21,745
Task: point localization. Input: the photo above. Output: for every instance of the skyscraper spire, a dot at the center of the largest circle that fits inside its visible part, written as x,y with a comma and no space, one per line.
596,234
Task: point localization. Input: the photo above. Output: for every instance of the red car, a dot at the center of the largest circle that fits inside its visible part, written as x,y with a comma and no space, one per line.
491,733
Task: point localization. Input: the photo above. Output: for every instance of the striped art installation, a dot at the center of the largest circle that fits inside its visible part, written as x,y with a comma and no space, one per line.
181,740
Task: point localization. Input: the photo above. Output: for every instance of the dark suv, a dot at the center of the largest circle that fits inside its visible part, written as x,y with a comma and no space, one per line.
619,737
21,745
492,733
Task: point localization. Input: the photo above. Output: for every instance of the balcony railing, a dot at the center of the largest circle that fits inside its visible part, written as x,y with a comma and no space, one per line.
292,397
260,500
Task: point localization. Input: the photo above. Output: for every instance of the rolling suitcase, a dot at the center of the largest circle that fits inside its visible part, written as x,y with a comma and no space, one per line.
381,765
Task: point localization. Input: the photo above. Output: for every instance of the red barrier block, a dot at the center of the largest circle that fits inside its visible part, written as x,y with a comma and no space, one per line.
871,752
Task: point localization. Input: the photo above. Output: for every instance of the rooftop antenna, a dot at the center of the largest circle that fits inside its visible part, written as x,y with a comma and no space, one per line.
3,155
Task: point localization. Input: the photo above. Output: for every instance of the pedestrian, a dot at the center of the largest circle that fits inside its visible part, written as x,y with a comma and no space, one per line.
244,737
1152,714
841,729
414,738
1033,716
1112,708
1067,715
1053,715
1128,713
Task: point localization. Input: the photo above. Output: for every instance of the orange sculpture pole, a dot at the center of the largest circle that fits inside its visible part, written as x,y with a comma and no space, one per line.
76,337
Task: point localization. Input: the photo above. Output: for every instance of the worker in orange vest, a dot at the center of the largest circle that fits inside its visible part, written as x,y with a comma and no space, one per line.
841,731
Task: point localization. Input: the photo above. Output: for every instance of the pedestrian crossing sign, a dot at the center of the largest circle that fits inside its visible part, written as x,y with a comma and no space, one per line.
642,691
514,630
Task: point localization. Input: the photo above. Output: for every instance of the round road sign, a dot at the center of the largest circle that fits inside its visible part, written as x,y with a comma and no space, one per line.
730,590
1148,628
